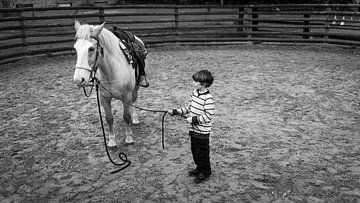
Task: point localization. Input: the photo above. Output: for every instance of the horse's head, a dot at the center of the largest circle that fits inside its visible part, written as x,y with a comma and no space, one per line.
87,51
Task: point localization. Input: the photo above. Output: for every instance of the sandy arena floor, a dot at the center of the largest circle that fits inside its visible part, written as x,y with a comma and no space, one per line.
287,129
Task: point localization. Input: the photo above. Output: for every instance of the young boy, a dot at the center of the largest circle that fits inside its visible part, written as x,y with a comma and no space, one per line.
201,110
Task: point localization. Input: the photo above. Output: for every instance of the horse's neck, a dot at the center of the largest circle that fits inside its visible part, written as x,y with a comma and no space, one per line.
113,63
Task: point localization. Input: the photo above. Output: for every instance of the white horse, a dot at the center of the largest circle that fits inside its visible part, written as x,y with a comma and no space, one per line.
98,47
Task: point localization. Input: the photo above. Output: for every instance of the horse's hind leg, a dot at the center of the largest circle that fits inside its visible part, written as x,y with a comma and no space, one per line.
106,104
128,120
135,117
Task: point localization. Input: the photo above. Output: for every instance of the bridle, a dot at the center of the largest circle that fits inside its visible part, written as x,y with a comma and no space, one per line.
94,68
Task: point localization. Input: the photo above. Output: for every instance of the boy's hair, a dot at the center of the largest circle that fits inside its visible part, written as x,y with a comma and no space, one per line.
204,77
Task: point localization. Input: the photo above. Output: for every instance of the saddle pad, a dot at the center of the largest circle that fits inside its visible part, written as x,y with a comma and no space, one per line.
134,51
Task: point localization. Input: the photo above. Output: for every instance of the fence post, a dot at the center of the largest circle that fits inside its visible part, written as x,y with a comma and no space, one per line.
306,28
176,17
247,20
101,15
254,17
327,23
240,20
23,31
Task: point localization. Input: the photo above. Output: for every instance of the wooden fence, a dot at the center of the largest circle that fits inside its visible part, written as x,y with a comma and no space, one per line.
36,31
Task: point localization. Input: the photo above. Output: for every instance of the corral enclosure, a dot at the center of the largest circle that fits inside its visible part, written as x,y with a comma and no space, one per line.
286,129
33,31
287,118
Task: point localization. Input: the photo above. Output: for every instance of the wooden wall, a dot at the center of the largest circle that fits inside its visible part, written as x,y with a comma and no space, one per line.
33,31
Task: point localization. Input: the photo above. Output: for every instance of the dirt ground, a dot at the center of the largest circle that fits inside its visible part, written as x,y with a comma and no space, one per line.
286,129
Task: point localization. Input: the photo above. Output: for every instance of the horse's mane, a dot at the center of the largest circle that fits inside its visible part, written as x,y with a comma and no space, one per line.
106,37
109,39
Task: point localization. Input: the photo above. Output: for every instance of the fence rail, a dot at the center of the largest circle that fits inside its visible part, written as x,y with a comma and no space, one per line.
33,31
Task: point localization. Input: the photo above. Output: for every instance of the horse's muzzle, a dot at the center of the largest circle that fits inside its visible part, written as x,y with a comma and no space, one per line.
80,81
82,77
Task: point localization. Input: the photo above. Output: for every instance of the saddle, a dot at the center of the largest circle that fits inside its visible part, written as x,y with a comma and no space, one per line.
134,50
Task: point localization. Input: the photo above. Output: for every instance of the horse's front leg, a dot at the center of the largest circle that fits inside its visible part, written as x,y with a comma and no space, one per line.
106,104
128,121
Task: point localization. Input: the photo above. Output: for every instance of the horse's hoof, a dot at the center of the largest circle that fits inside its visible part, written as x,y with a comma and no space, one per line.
112,144
129,140
136,122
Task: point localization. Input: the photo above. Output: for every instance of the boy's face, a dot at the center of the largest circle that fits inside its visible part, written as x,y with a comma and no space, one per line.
197,85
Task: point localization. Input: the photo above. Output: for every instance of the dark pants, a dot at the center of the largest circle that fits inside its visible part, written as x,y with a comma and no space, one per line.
201,153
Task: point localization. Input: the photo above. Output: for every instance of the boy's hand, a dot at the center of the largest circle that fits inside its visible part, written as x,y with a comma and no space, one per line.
189,119
173,112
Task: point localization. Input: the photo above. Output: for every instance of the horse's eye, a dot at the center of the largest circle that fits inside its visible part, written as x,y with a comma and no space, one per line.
91,49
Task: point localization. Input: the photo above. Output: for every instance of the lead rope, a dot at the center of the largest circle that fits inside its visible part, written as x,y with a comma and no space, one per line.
154,111
122,156
143,109
126,163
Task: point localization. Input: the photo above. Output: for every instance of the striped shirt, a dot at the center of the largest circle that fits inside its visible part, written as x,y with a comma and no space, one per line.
201,108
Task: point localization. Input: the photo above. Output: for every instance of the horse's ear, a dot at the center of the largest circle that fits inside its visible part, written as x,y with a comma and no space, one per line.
98,29
77,25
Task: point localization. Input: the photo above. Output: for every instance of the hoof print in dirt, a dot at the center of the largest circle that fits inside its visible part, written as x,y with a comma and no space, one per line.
113,148
129,143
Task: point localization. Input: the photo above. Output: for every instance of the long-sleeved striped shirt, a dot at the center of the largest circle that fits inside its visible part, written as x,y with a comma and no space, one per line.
201,108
